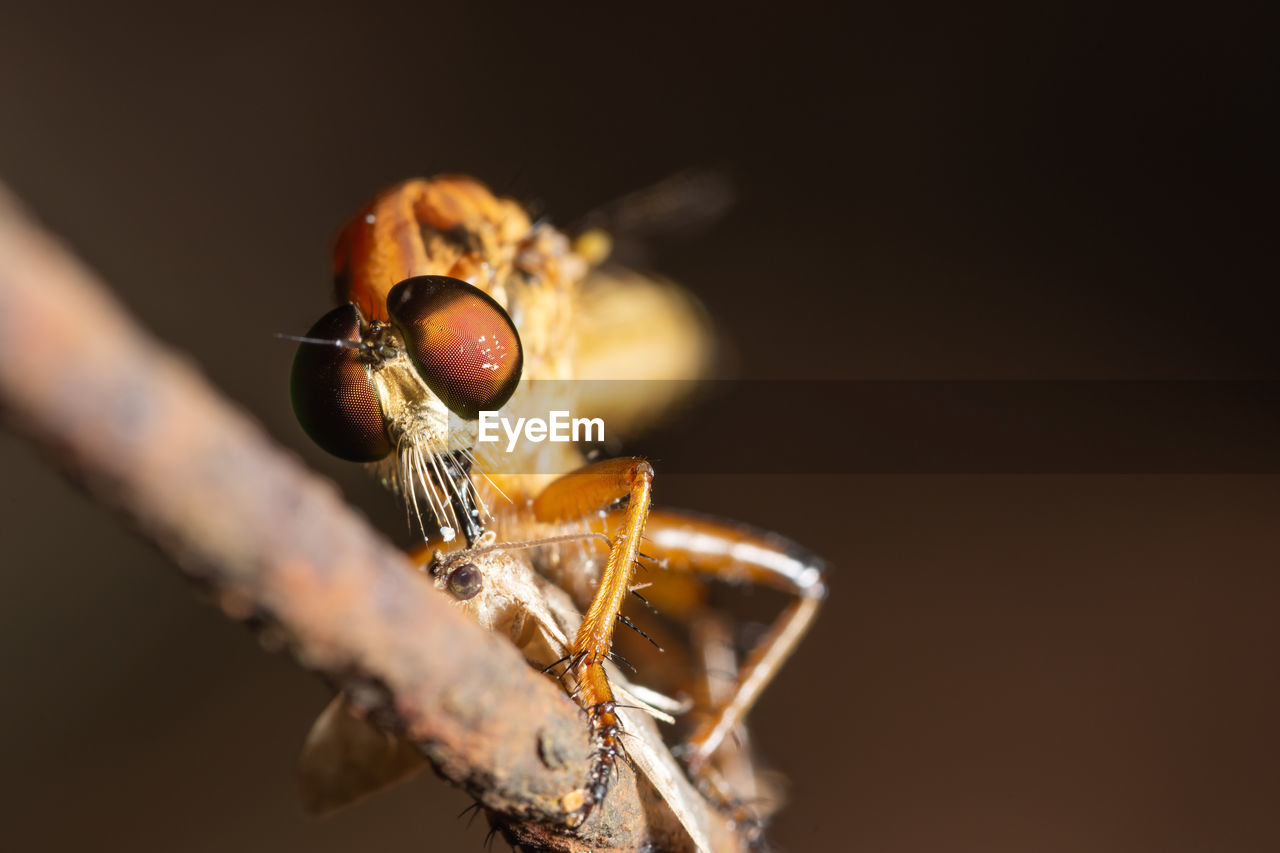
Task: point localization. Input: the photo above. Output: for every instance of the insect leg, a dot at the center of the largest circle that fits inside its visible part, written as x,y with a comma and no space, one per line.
732,552
574,496
731,779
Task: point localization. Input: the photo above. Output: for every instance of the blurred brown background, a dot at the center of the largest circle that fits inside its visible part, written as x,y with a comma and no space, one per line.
1006,663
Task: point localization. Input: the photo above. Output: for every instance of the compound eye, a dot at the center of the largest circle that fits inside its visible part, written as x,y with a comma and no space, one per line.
462,342
332,393
465,581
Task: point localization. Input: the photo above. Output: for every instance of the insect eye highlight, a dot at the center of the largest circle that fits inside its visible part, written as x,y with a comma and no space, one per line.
461,341
333,397
465,581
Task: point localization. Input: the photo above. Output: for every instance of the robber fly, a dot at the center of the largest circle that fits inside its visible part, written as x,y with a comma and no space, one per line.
452,302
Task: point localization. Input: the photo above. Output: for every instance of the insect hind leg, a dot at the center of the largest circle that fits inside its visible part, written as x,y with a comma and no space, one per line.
711,549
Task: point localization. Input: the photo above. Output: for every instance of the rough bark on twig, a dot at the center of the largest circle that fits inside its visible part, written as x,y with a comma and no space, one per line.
148,436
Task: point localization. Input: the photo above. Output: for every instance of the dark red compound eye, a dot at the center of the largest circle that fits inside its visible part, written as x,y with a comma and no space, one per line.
462,342
332,393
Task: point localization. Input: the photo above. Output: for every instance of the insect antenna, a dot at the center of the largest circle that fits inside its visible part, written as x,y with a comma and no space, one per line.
333,342
535,543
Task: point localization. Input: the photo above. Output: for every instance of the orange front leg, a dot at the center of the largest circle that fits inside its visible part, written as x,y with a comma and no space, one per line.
576,496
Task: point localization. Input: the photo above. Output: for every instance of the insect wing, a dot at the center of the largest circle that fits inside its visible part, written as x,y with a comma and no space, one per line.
346,758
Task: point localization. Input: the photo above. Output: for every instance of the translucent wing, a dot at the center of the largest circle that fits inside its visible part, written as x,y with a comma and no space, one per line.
345,758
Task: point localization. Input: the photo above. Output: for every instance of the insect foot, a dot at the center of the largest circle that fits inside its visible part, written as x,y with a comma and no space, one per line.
606,750
715,788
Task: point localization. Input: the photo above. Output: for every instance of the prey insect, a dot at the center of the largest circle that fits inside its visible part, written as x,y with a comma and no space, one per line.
452,303
346,757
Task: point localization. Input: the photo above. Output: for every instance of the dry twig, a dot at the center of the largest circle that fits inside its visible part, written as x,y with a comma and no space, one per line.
147,435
